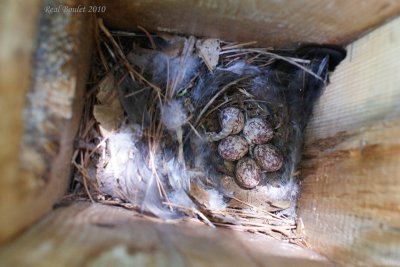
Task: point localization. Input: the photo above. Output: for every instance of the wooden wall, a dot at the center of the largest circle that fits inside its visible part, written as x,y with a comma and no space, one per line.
282,23
350,200
85,234
39,107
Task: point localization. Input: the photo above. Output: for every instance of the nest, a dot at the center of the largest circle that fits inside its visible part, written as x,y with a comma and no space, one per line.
151,128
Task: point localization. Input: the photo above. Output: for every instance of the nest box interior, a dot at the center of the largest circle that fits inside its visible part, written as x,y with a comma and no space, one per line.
348,207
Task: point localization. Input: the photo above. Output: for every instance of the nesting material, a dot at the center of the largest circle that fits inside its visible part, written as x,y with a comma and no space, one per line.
179,127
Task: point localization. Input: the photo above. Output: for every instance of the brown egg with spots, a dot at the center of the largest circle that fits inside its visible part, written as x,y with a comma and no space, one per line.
233,147
258,131
268,157
232,117
247,173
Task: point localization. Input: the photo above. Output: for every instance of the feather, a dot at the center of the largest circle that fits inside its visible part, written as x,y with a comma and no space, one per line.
173,115
134,100
165,69
215,200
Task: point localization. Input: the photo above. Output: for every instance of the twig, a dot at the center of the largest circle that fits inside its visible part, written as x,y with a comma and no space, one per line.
85,176
127,34
233,46
195,211
290,60
102,58
153,45
194,130
98,146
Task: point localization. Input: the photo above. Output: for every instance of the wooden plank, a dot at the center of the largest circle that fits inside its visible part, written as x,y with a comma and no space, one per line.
42,76
86,234
280,24
364,88
350,201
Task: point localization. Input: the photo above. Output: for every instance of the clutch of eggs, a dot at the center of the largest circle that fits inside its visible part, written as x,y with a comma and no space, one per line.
244,135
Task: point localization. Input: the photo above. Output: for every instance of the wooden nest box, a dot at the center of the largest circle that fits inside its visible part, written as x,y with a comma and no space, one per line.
350,201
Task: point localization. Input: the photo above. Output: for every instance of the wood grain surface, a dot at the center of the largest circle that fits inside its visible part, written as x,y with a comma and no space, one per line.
350,201
40,101
277,23
85,234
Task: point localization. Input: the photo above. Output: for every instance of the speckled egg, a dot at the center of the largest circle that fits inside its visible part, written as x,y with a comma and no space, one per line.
247,173
233,147
268,157
258,131
232,116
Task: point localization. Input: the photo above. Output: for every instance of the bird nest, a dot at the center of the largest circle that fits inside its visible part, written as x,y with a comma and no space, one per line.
179,128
